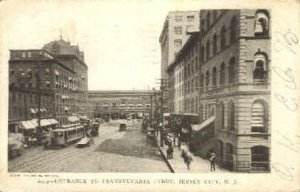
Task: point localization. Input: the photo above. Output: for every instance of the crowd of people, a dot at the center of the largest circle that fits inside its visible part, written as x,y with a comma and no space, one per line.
172,136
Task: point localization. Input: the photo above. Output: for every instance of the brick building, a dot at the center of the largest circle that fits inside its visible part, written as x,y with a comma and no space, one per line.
116,104
185,74
57,79
232,86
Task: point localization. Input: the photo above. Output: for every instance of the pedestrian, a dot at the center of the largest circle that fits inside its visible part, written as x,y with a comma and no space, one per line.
170,151
212,159
187,157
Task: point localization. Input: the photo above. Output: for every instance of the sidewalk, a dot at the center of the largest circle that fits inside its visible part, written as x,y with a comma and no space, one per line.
177,165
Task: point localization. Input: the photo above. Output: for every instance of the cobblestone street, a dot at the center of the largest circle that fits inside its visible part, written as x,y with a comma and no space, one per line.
113,151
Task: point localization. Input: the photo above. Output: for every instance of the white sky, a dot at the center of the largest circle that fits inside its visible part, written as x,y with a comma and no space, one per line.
120,39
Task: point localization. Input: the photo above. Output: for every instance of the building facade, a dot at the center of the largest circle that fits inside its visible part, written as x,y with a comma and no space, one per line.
233,81
70,79
174,34
117,104
52,78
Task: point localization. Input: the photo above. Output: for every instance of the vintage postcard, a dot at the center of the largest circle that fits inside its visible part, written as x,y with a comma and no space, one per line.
150,95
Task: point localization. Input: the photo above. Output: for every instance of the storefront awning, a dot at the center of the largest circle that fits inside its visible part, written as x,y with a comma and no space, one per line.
73,118
53,121
32,110
28,125
198,127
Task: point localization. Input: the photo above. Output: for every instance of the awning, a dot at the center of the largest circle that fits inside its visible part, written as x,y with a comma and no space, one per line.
37,110
32,110
198,127
191,114
53,121
73,118
66,108
44,122
28,125
56,73
166,114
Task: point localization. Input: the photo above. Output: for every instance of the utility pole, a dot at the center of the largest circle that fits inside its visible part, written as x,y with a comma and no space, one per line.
163,83
38,86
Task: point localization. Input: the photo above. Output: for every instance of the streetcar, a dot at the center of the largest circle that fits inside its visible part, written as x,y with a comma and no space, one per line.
65,135
95,129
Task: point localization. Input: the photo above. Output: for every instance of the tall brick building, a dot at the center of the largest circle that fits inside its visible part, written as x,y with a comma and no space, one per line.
56,76
231,88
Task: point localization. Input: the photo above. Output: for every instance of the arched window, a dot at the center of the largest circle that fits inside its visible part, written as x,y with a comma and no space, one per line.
207,78
222,37
207,50
202,26
208,20
214,77
202,53
220,149
260,158
260,68
229,156
233,29
231,70
259,117
222,74
231,116
201,81
215,44
222,115
261,27
201,112
192,105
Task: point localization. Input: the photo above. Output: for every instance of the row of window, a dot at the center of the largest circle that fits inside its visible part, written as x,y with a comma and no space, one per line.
217,77
206,22
261,26
219,41
259,117
179,18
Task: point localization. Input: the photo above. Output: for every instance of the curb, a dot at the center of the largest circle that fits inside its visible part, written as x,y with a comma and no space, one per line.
165,158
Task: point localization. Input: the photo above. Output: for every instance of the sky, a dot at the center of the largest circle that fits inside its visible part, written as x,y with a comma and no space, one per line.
120,39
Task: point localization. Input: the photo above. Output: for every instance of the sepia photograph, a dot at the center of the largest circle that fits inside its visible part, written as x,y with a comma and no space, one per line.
153,87
210,112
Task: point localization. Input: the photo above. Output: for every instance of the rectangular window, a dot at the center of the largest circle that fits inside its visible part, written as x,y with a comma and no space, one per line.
189,28
178,30
190,18
177,42
178,18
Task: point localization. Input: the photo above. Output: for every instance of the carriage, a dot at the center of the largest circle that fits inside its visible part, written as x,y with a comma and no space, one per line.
65,135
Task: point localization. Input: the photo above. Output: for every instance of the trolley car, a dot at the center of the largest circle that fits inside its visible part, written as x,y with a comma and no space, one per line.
67,134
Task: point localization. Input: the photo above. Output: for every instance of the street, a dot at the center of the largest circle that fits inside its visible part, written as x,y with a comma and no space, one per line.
113,151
